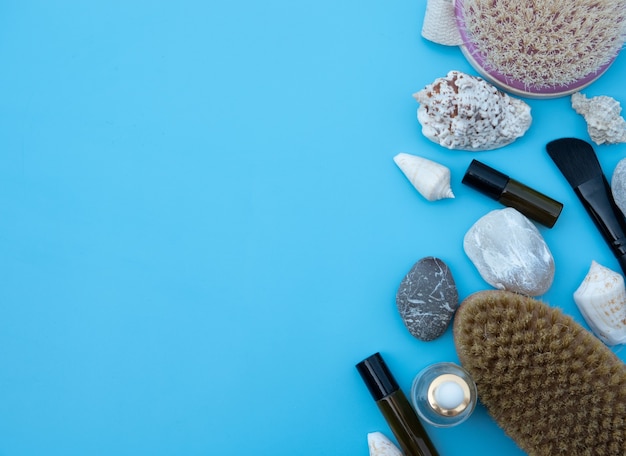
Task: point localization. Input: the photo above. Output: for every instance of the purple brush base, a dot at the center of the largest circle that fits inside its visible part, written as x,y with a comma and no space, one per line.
508,84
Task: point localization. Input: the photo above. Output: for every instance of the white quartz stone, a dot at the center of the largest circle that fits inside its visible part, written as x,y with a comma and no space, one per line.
510,253
618,185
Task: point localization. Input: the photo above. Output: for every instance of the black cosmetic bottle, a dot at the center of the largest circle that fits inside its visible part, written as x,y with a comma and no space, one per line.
395,407
511,193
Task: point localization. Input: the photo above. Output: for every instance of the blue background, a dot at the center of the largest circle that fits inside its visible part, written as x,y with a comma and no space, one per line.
203,230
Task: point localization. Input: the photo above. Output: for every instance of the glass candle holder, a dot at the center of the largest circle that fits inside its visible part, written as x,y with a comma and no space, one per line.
444,394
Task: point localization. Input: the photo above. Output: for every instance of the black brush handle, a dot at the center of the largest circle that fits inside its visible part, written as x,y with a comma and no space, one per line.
596,196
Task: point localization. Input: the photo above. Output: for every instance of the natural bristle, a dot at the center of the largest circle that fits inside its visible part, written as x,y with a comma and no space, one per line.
550,384
546,43
575,158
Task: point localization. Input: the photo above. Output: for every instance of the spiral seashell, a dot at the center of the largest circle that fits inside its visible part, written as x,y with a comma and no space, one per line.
460,111
605,125
379,445
429,178
601,299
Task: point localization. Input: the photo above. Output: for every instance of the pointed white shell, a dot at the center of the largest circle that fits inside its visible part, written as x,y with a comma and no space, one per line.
602,114
601,299
431,179
380,445
460,111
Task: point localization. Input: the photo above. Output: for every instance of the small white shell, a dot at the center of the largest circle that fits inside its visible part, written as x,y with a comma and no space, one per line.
602,114
466,112
380,445
601,299
431,179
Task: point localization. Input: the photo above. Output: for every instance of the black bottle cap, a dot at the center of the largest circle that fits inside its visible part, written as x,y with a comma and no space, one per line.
377,377
485,179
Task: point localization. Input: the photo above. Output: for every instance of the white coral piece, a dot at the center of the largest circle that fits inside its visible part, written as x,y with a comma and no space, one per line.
602,114
465,112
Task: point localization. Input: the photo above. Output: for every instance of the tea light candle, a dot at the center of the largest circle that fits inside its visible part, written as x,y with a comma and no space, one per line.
443,394
449,395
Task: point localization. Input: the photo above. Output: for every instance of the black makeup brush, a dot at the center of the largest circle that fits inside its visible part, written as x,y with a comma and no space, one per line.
579,164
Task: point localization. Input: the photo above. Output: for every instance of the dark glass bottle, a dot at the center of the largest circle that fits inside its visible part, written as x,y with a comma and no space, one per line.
395,407
512,193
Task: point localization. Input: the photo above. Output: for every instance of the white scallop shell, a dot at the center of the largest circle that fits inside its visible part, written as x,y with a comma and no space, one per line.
466,112
380,445
605,125
430,178
601,299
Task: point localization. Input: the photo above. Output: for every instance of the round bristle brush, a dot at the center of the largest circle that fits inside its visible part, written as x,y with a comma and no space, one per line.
542,48
550,384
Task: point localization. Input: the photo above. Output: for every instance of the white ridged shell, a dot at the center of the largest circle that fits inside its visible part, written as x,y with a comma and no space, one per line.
605,125
429,178
465,112
380,445
440,23
601,299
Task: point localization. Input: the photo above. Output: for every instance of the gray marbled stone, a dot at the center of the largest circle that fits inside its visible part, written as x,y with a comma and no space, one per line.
510,253
427,298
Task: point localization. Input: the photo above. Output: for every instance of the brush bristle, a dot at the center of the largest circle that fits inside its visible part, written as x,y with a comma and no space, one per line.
576,160
545,43
550,384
